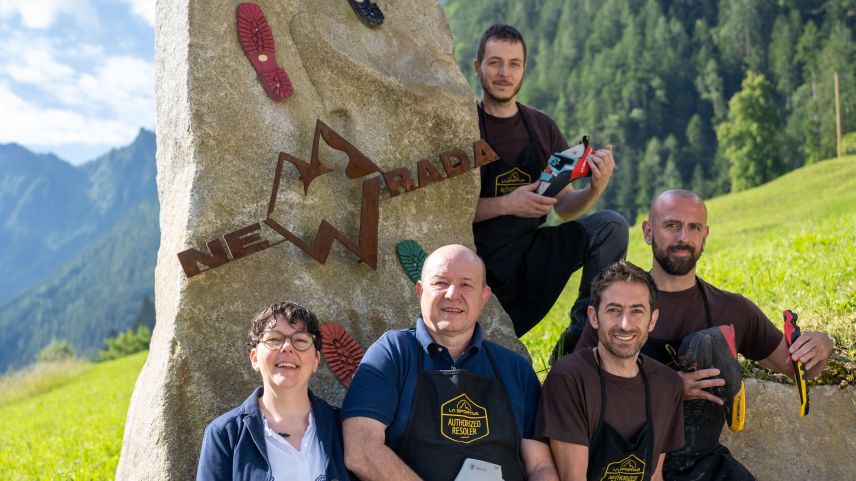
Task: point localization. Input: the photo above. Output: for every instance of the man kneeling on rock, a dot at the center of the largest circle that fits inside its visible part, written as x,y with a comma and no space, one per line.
609,412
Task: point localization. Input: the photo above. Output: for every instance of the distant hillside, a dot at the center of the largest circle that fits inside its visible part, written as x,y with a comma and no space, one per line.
78,247
43,204
49,209
95,295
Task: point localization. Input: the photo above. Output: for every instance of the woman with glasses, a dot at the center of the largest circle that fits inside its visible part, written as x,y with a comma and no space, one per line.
282,431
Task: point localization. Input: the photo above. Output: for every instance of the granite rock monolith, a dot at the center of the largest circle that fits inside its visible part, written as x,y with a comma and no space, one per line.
231,194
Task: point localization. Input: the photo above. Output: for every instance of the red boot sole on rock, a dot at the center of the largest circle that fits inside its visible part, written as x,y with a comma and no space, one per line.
257,41
342,353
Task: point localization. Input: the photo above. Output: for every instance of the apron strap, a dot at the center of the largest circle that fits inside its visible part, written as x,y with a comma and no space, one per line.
420,365
649,416
707,315
483,123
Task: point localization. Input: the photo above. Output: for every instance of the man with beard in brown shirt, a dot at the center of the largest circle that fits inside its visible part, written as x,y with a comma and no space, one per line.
609,412
677,230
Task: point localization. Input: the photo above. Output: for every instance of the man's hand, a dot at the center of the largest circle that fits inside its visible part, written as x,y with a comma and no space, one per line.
813,349
602,164
524,202
696,381
573,203
367,455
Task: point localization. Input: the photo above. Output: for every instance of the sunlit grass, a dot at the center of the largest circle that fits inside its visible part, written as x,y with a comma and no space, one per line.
39,378
71,430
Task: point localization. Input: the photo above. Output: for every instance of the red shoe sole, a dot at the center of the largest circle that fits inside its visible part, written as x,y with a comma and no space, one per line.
342,353
256,39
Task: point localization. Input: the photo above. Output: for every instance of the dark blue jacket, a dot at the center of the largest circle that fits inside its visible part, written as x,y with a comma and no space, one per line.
233,447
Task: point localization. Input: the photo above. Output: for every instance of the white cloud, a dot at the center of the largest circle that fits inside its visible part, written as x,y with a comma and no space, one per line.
41,14
38,66
27,123
73,94
144,9
124,85
69,83
105,107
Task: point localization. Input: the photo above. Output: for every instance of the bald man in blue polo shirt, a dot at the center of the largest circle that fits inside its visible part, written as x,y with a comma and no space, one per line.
426,399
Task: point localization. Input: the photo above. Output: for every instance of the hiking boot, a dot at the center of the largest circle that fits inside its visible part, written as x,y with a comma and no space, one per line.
715,347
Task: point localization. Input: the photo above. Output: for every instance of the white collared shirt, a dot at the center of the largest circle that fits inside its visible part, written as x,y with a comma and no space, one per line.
288,463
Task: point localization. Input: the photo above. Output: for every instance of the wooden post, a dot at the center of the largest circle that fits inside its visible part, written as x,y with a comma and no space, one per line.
837,117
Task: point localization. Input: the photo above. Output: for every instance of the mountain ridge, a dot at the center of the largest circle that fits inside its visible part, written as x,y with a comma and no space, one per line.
50,209
78,246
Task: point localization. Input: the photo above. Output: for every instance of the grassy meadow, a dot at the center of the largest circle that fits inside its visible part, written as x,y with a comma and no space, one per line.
65,420
788,244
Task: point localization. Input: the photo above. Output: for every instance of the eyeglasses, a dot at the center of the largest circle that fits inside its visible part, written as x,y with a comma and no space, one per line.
300,341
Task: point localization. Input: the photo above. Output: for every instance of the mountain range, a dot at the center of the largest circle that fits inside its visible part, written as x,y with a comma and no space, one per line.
78,247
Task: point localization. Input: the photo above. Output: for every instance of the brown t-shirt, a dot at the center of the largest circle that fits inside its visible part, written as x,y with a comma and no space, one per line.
683,312
570,402
508,137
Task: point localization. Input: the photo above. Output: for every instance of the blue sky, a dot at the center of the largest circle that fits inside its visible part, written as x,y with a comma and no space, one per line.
76,76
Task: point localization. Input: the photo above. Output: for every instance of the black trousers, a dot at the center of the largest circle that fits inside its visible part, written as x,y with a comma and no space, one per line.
529,274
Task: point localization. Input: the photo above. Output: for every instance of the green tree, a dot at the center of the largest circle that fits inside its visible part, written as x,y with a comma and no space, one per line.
709,84
625,174
57,350
837,56
648,172
783,46
146,315
701,145
749,138
126,343
699,183
670,177
743,30
804,119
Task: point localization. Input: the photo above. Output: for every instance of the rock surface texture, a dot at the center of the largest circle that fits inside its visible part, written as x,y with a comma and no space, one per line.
397,99
779,445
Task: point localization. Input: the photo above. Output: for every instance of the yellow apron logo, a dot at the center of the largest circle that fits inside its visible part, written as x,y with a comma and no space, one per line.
630,468
511,180
462,420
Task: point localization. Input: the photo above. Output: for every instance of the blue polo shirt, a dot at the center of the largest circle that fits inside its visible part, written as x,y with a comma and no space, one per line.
385,382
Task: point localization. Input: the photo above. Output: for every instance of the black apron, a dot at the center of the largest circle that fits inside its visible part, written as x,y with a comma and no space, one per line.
610,456
499,178
701,458
458,414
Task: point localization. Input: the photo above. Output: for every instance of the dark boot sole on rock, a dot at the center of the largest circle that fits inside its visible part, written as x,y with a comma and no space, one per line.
368,12
715,347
